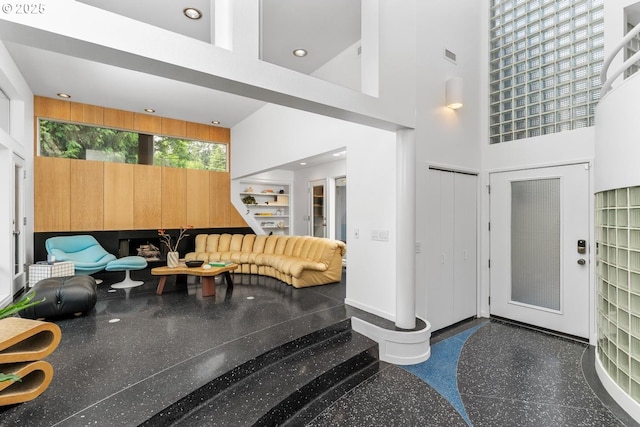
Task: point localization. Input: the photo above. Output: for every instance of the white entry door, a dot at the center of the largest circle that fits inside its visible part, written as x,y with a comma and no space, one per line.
539,247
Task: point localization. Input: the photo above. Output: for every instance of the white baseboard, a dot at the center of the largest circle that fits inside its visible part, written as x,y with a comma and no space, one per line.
369,309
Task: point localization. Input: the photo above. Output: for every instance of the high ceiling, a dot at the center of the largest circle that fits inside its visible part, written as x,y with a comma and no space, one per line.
286,25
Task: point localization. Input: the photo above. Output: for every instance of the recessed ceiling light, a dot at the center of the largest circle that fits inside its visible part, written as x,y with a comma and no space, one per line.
216,122
64,95
149,110
192,13
300,53
303,163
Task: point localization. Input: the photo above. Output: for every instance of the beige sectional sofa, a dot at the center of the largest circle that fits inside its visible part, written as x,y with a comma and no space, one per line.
300,261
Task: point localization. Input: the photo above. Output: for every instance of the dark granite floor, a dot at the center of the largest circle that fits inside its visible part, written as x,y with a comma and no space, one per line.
130,358
502,374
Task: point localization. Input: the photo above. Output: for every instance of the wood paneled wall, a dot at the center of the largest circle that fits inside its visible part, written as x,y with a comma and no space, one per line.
83,195
69,111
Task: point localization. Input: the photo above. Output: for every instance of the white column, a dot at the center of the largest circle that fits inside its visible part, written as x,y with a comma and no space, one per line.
370,47
406,229
223,24
245,15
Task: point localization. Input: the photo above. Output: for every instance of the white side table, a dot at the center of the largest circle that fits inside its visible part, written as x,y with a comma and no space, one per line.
38,272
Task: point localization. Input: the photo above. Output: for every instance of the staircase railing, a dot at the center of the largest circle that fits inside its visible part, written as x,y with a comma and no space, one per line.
608,81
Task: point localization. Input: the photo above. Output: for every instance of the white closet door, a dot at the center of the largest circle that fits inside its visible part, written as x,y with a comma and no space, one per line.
451,248
439,249
465,247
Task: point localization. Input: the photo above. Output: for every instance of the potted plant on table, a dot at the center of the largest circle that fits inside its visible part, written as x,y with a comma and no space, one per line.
173,256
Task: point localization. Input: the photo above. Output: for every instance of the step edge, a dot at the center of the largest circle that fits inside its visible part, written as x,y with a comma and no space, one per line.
304,396
241,372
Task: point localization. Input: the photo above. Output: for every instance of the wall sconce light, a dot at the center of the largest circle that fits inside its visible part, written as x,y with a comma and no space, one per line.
454,93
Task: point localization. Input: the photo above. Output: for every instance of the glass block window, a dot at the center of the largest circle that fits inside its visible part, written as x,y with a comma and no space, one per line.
544,66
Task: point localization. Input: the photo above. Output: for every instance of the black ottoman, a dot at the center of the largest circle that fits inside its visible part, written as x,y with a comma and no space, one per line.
64,296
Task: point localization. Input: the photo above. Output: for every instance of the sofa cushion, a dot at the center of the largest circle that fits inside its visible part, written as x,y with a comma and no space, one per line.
294,266
212,243
247,243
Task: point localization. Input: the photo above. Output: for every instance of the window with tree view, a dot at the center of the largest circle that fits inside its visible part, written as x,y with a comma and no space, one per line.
76,141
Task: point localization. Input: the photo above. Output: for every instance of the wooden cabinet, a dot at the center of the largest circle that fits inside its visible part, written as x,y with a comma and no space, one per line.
174,197
172,127
198,191
51,108
197,131
85,113
451,248
87,201
147,123
219,204
118,119
147,197
84,195
52,186
118,196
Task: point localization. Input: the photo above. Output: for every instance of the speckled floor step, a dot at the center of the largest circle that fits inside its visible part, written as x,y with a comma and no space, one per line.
298,379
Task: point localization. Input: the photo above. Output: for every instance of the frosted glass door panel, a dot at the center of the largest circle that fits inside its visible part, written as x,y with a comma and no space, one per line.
535,242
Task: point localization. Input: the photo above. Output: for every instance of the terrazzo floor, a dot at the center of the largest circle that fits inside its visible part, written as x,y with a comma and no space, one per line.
485,373
130,358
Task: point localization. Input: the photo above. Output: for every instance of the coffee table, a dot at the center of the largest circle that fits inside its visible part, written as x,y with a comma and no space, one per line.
208,283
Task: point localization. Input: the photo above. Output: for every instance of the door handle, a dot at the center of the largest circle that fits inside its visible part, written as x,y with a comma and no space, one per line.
582,261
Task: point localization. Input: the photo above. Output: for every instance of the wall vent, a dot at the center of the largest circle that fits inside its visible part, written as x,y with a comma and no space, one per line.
450,55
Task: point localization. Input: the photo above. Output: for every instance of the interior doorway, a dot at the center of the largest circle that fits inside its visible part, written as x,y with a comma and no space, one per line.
319,208
340,212
341,208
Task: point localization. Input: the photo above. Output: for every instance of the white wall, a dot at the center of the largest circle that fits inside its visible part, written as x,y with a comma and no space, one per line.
445,138
344,69
274,136
18,141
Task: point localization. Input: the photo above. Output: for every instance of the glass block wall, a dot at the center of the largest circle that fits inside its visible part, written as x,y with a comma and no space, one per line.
545,62
618,283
